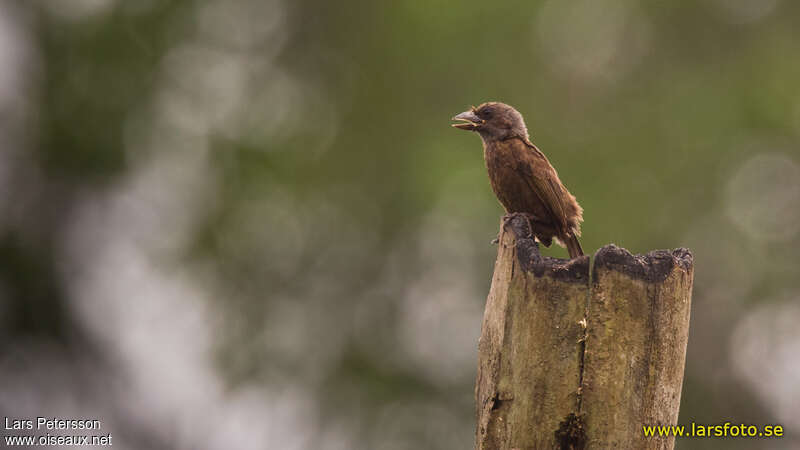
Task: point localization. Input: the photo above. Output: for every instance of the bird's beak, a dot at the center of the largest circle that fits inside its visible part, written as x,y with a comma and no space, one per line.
468,121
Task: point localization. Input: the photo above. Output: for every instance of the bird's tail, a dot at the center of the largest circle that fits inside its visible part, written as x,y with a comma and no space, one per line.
573,246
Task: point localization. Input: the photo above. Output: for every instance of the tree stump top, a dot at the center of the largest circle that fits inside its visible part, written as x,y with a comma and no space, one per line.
571,358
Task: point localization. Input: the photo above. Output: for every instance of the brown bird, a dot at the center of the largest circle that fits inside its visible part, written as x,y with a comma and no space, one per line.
521,176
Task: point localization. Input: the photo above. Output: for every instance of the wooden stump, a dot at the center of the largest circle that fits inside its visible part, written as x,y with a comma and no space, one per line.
569,361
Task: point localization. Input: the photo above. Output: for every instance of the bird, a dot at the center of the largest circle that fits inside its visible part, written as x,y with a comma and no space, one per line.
522,177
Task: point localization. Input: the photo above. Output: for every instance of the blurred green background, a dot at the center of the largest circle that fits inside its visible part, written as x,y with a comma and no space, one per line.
248,224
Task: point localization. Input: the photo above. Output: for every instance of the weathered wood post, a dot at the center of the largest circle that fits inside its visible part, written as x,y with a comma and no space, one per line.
569,361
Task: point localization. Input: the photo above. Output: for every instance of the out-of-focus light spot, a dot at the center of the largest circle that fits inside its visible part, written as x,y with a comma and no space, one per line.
763,197
139,6
440,318
39,379
727,276
225,82
243,23
721,290
743,11
15,58
763,348
327,219
440,314
298,333
419,424
202,87
256,418
157,320
592,41
17,100
337,435
123,253
76,10
281,106
265,232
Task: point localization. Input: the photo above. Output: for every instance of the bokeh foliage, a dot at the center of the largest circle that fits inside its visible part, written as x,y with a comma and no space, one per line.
290,167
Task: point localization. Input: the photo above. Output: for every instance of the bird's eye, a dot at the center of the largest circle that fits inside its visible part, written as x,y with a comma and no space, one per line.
486,113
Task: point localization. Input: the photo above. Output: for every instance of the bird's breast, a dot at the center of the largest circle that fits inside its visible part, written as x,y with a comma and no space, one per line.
507,175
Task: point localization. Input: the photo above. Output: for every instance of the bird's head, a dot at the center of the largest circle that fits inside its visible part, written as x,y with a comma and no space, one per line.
493,121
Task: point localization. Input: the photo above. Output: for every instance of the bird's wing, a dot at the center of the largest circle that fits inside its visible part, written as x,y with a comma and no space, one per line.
545,183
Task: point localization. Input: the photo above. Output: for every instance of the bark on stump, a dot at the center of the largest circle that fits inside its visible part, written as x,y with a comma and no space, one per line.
570,362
